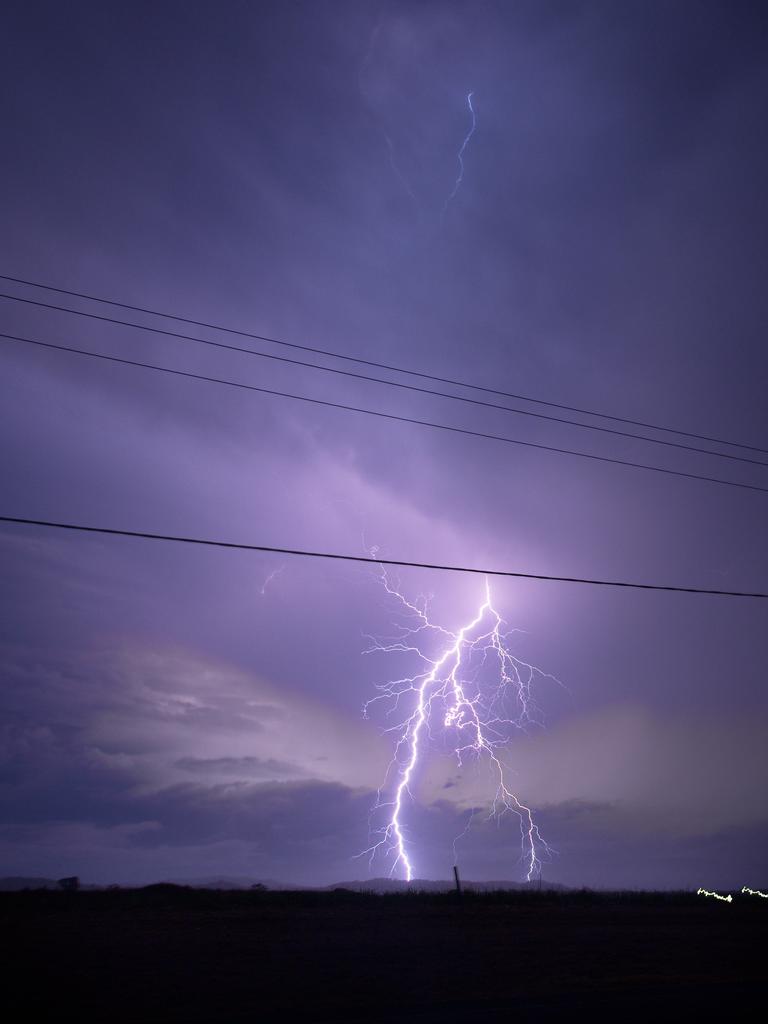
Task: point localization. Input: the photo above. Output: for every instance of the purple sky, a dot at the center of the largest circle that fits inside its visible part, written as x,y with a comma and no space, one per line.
608,248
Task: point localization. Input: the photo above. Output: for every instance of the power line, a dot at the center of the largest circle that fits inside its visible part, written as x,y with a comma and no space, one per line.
383,415
389,383
382,366
367,560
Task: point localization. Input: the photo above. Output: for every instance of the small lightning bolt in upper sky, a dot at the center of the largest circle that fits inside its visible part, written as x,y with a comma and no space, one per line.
272,576
460,156
470,694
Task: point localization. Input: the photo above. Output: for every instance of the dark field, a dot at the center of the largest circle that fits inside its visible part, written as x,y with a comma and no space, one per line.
191,955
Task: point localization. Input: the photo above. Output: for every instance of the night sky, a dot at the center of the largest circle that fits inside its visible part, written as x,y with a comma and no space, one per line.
281,168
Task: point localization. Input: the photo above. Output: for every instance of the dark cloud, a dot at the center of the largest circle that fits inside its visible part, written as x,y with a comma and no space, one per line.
253,767
309,832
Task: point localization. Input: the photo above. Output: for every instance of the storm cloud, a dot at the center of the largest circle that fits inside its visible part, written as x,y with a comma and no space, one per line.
176,712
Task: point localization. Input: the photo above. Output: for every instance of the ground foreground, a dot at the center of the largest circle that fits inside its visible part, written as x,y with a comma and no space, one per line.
168,954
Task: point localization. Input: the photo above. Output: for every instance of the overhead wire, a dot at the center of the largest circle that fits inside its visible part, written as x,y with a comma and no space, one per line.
370,560
378,380
382,366
382,415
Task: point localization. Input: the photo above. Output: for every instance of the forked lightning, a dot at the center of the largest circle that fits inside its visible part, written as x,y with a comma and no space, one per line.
471,695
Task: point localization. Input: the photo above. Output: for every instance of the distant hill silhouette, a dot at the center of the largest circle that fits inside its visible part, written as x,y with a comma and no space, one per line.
385,885
238,882
16,883
227,882
377,885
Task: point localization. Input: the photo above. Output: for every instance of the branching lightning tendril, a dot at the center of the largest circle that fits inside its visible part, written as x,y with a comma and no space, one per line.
754,892
460,156
470,695
272,576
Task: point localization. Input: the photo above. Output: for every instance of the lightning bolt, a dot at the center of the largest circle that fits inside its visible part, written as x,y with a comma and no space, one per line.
473,694
754,892
272,576
460,156
714,895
